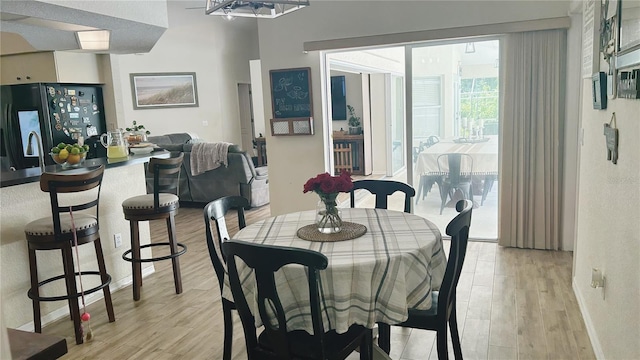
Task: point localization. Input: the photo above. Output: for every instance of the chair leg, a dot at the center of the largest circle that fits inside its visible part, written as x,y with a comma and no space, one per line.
444,193
384,337
486,188
33,269
366,346
104,278
64,267
228,329
443,352
455,336
70,280
136,267
171,229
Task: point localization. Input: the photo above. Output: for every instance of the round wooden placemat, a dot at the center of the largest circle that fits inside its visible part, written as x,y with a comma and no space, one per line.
349,231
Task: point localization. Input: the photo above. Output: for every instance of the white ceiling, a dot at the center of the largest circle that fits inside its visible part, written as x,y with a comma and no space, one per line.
51,25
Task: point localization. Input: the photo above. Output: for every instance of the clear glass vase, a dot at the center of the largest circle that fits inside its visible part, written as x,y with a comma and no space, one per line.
328,215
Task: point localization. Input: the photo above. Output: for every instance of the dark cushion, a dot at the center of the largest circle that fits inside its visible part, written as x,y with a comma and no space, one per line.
172,147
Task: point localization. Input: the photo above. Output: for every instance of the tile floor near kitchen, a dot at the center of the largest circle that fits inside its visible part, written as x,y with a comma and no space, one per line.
512,304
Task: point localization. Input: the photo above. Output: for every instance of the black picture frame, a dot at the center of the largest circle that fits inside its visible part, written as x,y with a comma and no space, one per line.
599,87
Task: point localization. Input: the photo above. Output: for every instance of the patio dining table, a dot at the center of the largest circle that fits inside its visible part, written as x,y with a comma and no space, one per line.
373,278
484,155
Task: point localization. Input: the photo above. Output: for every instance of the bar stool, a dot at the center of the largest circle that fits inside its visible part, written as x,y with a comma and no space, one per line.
56,233
159,205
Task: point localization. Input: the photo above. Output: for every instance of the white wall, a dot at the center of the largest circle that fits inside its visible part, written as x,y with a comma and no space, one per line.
217,50
281,47
608,230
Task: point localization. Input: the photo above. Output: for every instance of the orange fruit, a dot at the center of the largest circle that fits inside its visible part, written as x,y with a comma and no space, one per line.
74,159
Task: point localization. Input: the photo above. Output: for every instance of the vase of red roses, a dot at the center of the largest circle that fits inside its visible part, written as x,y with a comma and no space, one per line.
328,215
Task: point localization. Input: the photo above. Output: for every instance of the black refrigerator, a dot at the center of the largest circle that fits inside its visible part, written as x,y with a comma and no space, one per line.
58,112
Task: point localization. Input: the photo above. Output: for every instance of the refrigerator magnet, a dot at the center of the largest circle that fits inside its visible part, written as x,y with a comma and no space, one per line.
76,108
74,116
72,92
61,104
86,120
92,131
74,101
51,91
69,107
66,132
58,127
62,110
56,116
66,92
85,110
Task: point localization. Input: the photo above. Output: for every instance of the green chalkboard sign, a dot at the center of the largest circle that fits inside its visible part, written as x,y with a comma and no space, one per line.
291,93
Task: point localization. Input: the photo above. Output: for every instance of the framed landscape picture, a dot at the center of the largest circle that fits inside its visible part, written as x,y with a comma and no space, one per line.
164,90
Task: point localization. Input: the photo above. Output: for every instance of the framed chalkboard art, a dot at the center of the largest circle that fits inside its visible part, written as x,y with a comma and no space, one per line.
291,93
291,101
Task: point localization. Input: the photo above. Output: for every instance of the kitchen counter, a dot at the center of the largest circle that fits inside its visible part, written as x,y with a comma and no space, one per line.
24,176
22,201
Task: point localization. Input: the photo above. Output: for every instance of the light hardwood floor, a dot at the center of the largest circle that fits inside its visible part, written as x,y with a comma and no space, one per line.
512,304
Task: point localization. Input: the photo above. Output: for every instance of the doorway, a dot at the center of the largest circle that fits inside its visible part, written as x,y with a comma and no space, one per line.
247,128
451,107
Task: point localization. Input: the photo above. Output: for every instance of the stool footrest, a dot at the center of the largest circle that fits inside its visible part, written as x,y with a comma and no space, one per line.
167,257
70,296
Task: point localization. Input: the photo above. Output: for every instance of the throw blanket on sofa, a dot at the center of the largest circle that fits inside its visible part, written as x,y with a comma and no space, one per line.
208,156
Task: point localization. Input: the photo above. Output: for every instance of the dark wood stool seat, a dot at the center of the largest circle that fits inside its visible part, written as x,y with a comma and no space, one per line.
159,205
56,233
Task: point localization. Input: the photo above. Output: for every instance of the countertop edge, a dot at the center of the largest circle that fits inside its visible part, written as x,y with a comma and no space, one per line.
30,175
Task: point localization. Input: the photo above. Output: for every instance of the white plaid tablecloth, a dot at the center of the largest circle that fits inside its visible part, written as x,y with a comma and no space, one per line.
374,278
484,154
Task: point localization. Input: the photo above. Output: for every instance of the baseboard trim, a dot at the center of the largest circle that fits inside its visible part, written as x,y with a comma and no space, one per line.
89,299
591,330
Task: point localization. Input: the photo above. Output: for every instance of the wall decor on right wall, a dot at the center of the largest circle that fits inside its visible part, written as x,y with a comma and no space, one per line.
627,59
611,137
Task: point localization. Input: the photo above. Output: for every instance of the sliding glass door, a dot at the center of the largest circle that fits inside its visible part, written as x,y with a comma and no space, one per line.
454,119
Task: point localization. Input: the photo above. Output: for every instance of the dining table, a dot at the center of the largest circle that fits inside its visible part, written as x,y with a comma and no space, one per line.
376,277
482,151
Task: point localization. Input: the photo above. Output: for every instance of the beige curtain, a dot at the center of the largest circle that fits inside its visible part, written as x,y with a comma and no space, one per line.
532,125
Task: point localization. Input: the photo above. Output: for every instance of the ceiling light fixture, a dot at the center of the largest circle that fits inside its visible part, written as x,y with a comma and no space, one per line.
261,9
470,48
93,40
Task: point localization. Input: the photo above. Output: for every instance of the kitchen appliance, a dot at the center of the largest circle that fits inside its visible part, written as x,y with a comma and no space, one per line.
57,112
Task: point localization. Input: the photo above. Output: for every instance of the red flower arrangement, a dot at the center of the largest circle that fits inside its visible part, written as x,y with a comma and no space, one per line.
327,187
325,184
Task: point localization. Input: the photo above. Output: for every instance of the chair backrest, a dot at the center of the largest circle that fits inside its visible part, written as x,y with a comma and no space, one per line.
342,158
457,166
166,176
216,210
265,261
73,181
458,229
382,189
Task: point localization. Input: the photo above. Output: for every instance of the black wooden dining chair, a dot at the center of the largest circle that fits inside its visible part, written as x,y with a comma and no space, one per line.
215,211
276,341
443,302
382,189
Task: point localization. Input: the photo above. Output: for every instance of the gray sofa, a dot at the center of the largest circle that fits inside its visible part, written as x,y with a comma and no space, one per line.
240,177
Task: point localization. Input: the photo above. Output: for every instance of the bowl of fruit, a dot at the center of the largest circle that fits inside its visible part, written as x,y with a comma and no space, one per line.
69,155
